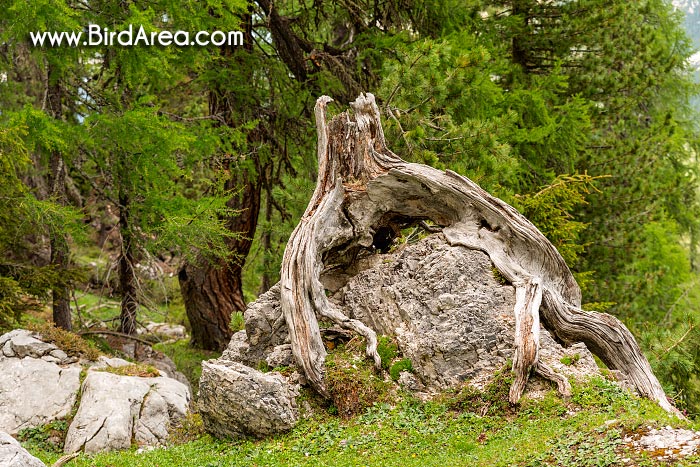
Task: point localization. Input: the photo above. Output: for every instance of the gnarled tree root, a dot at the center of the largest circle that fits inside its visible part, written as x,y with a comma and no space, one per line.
363,189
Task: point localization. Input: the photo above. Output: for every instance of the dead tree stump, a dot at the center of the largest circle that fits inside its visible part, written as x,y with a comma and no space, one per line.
365,194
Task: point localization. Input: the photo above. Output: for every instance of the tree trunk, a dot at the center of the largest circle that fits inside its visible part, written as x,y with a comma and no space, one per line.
60,252
364,189
127,274
212,291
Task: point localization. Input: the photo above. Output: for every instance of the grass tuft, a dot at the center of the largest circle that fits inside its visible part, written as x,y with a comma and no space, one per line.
135,369
71,343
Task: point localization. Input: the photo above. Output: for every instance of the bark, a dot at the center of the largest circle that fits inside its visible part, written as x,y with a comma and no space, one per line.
212,291
60,251
127,274
364,189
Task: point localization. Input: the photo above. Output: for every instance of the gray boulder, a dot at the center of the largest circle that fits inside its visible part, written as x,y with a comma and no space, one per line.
265,329
114,410
37,386
237,401
12,454
447,311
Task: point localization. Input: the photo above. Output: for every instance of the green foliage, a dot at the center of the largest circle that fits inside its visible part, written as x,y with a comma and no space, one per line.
599,392
551,208
499,276
237,321
492,400
404,364
570,359
47,438
23,284
387,350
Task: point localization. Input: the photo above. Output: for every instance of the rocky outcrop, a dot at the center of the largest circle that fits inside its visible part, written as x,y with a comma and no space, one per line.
449,313
39,382
12,454
265,329
237,401
116,410
446,306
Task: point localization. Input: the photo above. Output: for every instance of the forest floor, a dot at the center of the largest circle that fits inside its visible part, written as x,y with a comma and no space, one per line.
600,425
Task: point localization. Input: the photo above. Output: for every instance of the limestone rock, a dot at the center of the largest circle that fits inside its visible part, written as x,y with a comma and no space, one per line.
33,391
448,312
238,401
22,343
12,454
265,329
167,330
116,409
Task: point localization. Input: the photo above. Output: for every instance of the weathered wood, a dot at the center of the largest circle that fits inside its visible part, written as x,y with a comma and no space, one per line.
528,298
363,189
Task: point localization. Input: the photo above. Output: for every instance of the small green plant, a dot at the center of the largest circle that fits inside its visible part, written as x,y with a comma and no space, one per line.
402,365
189,428
387,350
49,437
570,359
135,369
352,382
599,392
498,275
492,400
237,321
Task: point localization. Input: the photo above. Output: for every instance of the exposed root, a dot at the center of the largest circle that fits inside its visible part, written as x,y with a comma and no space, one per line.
528,297
562,382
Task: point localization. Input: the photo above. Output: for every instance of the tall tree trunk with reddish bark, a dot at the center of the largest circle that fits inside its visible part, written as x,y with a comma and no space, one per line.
212,291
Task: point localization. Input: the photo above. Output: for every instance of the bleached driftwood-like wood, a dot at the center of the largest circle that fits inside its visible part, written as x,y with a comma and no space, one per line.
364,189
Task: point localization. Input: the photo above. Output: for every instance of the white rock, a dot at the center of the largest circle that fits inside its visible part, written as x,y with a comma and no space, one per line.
172,331
116,409
24,344
239,401
12,454
34,392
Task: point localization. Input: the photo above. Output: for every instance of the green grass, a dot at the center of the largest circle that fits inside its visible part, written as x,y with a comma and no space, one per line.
550,432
